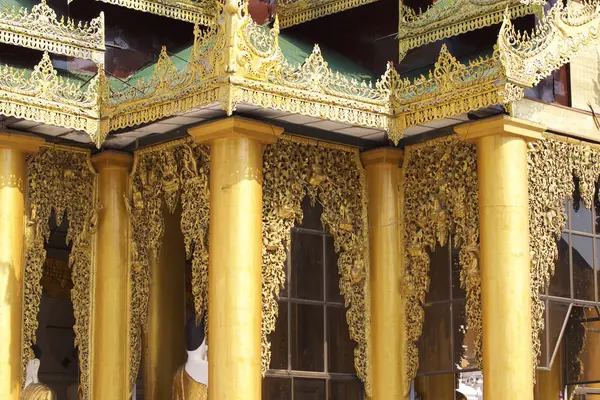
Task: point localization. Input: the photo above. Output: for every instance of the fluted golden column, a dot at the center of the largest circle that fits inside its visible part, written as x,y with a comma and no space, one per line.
110,317
235,247
13,179
386,243
165,340
504,253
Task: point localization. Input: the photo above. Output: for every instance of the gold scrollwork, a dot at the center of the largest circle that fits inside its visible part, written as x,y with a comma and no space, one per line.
333,176
201,12
293,12
169,173
61,180
440,199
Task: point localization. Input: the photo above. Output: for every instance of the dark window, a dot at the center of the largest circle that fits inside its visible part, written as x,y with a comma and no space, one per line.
312,353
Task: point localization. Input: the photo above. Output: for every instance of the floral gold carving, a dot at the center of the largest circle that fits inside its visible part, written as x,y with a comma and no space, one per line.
62,181
201,12
293,12
333,176
167,174
41,29
440,199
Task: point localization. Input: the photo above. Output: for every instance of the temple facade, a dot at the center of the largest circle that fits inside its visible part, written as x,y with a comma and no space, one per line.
299,199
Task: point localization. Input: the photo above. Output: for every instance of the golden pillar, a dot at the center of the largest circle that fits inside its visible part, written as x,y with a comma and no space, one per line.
436,387
386,244
548,384
164,341
235,251
13,178
504,253
109,369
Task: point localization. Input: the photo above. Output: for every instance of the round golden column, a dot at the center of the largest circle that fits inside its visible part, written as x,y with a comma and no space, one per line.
504,253
549,383
235,251
13,179
165,340
386,244
110,318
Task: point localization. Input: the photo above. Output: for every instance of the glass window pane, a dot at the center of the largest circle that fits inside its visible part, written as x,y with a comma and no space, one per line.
457,291
307,266
333,277
277,389
464,338
583,267
345,390
309,389
439,274
582,343
557,314
307,338
435,347
312,215
598,268
339,344
560,284
597,209
581,217
279,339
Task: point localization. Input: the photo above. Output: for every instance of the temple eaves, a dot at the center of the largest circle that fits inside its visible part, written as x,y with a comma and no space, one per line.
238,62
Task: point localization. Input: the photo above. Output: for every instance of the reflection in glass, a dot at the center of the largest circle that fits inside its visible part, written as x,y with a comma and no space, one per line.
279,339
333,277
582,342
309,389
560,283
557,315
307,266
345,390
277,389
341,348
435,349
464,339
307,338
583,267
581,217
439,275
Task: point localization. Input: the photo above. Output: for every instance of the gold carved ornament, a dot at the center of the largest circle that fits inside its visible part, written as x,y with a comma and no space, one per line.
41,29
203,12
563,33
448,18
61,180
166,174
333,176
293,12
552,164
440,199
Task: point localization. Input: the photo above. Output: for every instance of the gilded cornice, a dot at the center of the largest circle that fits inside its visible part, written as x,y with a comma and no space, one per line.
293,12
449,18
201,12
41,29
561,35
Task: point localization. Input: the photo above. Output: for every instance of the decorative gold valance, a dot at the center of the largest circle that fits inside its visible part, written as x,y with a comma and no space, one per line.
40,29
203,12
293,12
447,18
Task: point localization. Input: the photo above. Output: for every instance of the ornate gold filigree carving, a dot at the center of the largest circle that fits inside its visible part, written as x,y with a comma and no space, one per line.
293,12
561,35
440,199
552,164
202,12
61,180
40,29
447,18
333,176
167,173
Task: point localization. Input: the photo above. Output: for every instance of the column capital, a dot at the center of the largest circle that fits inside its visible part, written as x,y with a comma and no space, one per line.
382,155
501,125
112,159
235,127
24,143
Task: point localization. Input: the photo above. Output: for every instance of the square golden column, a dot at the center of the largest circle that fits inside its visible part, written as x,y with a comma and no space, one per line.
504,253
386,249
109,369
13,180
235,252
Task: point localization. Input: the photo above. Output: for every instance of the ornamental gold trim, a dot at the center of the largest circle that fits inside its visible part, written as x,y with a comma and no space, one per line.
448,18
40,29
293,12
332,175
203,12
61,180
563,33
